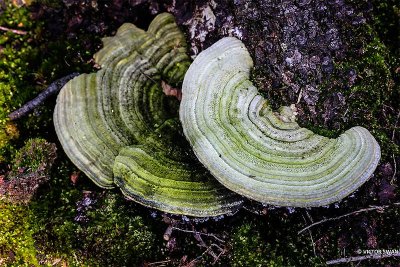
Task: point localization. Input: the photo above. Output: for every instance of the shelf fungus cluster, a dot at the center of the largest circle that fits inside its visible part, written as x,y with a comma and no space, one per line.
120,129
265,155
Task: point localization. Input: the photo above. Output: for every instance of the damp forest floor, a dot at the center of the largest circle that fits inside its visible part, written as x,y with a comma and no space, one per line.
339,62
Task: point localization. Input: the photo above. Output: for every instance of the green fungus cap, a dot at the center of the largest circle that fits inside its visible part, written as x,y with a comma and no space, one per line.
264,155
120,129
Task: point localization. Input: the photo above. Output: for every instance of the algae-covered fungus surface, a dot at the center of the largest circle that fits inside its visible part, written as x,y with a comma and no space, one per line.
118,127
261,154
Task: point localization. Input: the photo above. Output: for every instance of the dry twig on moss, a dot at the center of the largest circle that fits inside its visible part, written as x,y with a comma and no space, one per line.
219,244
20,32
378,208
374,256
393,156
158,263
310,233
199,233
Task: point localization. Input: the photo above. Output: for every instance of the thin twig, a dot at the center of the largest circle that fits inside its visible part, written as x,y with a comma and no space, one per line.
376,256
300,96
394,158
395,125
53,88
76,258
209,248
157,263
199,233
347,215
167,233
394,171
222,252
311,237
210,252
20,32
219,256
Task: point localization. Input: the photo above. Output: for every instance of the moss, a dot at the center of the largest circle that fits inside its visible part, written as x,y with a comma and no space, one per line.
30,169
8,131
28,62
114,236
54,211
85,227
386,19
365,81
249,248
17,51
16,241
274,238
272,241
36,154
48,3
374,89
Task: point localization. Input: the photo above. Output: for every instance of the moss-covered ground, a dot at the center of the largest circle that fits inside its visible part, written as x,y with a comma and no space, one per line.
71,222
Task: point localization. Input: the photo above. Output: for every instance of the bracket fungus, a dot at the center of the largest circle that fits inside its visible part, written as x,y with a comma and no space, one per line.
119,128
264,155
